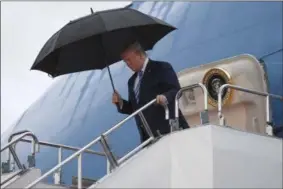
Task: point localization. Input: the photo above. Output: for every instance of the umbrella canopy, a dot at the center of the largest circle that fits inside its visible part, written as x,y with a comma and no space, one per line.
96,41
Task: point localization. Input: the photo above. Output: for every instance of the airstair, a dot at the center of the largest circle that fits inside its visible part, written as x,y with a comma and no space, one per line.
214,155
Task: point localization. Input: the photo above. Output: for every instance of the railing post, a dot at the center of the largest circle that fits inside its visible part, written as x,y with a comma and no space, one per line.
203,115
146,126
13,163
108,166
31,158
58,173
9,159
266,95
269,129
5,167
16,159
222,121
174,124
166,109
80,171
111,158
220,116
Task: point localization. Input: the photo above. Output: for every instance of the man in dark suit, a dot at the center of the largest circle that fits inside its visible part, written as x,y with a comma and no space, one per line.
152,79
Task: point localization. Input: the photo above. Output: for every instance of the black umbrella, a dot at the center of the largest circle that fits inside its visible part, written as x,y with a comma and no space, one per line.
96,41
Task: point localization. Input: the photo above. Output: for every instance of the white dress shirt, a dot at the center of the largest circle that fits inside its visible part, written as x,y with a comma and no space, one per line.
136,80
143,69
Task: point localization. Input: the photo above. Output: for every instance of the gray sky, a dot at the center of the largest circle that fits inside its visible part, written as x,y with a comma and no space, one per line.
25,27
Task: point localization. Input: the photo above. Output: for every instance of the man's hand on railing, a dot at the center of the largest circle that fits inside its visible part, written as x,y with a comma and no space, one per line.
161,99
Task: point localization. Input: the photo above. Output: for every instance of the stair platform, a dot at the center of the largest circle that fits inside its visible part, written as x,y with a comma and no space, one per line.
203,157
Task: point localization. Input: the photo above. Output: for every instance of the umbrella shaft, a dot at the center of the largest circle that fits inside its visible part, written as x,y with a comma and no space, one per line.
110,78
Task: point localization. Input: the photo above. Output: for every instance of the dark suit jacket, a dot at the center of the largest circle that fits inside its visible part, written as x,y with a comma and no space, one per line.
158,78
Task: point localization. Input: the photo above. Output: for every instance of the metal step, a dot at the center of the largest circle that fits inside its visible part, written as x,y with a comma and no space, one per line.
86,182
23,179
20,180
8,178
45,185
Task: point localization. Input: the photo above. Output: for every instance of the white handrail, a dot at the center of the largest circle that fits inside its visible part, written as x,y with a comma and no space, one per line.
26,133
49,144
79,152
9,145
267,95
178,95
57,176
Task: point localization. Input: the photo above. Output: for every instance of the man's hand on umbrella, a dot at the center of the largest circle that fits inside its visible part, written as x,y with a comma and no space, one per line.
161,99
116,98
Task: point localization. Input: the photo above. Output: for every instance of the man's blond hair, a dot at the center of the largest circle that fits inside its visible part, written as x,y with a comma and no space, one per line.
136,46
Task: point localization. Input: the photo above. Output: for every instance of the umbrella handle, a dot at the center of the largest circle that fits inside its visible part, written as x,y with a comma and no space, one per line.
111,78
